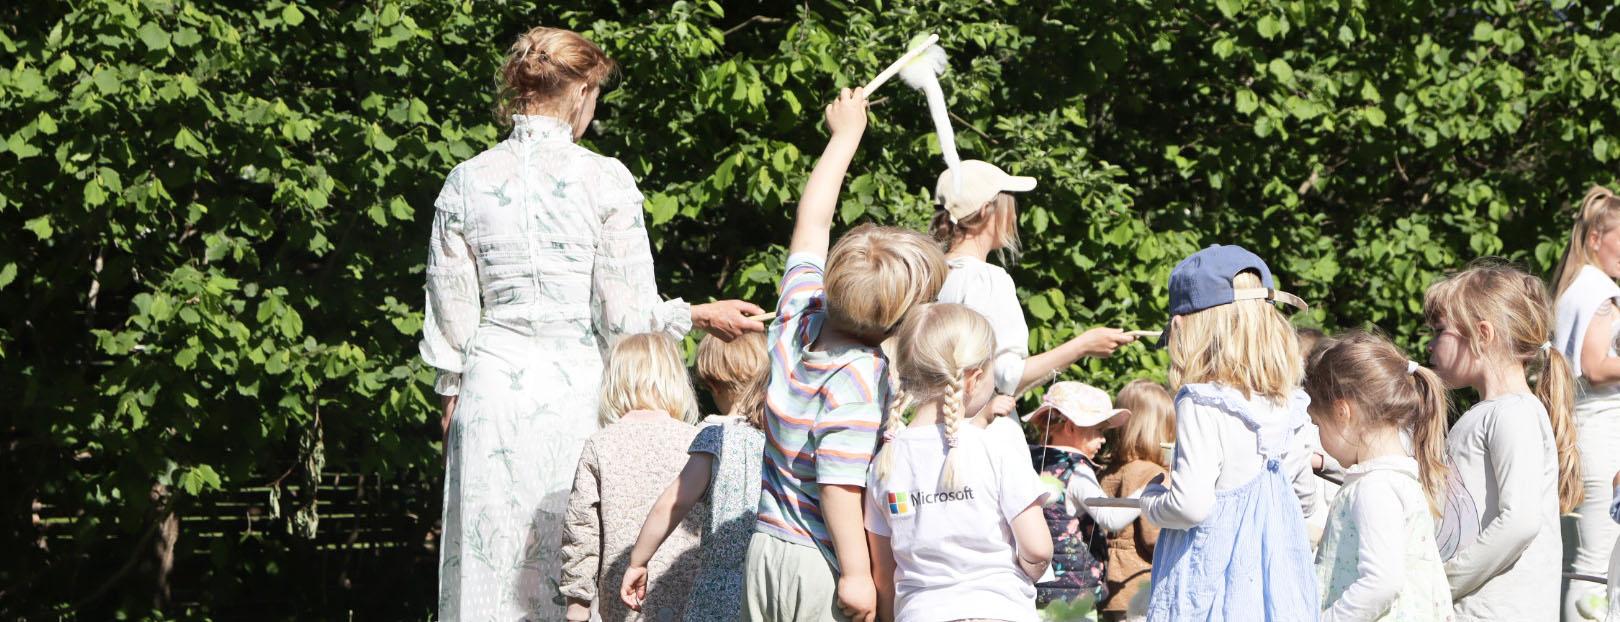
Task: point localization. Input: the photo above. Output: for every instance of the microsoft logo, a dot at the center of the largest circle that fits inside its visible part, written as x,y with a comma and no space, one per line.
904,503
898,505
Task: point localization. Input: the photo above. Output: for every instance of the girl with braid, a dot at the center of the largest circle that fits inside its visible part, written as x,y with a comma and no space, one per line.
955,524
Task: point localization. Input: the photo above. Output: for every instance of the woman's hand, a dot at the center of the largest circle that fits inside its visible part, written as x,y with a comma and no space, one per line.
449,404
1102,342
727,319
634,588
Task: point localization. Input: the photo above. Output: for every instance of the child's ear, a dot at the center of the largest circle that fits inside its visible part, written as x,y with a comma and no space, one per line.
1341,411
1485,333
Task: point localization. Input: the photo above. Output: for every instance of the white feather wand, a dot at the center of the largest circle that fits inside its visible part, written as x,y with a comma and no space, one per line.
922,73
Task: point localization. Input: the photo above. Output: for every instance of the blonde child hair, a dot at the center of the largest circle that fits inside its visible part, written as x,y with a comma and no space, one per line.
1517,306
646,371
1000,214
1600,212
739,369
935,348
876,275
1152,421
1247,345
1371,374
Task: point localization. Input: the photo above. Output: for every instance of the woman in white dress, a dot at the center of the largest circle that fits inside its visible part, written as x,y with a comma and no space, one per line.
539,260
1588,323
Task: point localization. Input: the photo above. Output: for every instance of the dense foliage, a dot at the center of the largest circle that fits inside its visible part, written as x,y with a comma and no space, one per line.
210,281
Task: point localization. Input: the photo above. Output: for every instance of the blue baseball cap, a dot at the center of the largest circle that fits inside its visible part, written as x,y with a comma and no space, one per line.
1204,280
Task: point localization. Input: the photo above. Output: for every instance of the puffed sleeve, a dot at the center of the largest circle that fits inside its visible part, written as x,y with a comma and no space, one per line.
624,293
453,309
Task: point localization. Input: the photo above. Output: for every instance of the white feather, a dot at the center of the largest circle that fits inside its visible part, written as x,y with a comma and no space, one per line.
922,73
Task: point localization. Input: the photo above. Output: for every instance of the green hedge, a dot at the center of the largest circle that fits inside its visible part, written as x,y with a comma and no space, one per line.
211,275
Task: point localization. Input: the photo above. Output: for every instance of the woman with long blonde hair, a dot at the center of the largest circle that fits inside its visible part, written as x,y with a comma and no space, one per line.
1585,333
538,262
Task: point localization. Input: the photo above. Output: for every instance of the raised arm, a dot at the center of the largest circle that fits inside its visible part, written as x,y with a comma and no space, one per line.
812,226
1099,342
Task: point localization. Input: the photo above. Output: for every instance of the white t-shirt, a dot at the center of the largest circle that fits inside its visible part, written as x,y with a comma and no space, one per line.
954,552
988,289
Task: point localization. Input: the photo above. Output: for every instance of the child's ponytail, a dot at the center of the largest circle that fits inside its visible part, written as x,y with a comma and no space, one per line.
1429,434
1556,390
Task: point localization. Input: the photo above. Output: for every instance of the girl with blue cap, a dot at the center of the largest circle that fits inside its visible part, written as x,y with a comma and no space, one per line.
1233,544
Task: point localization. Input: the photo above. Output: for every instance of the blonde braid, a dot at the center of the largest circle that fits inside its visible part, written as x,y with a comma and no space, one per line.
954,394
893,423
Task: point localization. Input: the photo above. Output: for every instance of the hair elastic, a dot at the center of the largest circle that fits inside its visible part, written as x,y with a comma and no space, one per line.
1411,366
1546,346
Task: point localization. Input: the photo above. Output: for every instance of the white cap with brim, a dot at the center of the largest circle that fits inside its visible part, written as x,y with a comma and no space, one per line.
981,182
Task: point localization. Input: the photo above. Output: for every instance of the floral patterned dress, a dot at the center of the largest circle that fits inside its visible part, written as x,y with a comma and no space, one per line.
1079,546
539,259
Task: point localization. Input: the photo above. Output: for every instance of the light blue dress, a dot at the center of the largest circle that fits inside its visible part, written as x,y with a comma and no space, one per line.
1250,560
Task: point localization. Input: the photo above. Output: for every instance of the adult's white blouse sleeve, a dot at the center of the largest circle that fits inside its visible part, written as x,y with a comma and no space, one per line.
453,310
1515,462
1199,456
624,292
1379,518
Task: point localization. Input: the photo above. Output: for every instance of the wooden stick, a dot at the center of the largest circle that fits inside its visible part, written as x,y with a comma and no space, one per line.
1110,502
1576,576
1145,334
894,67
763,317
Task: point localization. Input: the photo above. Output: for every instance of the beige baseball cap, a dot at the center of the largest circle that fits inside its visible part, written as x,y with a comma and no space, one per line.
980,183
1082,404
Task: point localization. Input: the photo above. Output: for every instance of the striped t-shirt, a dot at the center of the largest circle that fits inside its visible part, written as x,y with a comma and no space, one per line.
823,411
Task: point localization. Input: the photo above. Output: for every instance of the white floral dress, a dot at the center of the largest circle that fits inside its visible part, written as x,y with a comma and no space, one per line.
539,259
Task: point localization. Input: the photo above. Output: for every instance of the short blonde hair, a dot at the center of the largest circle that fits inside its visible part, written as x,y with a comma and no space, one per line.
1152,421
935,348
647,372
1001,211
875,275
1247,345
741,369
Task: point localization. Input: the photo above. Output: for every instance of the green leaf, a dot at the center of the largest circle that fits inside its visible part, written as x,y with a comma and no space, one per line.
41,226
153,36
8,274
1039,307
1280,68
1229,8
1247,102
291,16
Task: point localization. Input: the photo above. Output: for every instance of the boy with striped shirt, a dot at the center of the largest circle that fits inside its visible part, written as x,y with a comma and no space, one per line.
828,392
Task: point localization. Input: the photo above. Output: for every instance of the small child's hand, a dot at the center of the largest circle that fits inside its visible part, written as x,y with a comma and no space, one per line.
857,598
578,611
633,590
847,114
1002,405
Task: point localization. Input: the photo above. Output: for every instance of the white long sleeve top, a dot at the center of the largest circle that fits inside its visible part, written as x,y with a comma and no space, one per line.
1216,451
1500,534
1379,547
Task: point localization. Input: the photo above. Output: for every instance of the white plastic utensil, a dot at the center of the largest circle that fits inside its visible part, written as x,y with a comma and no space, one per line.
894,67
